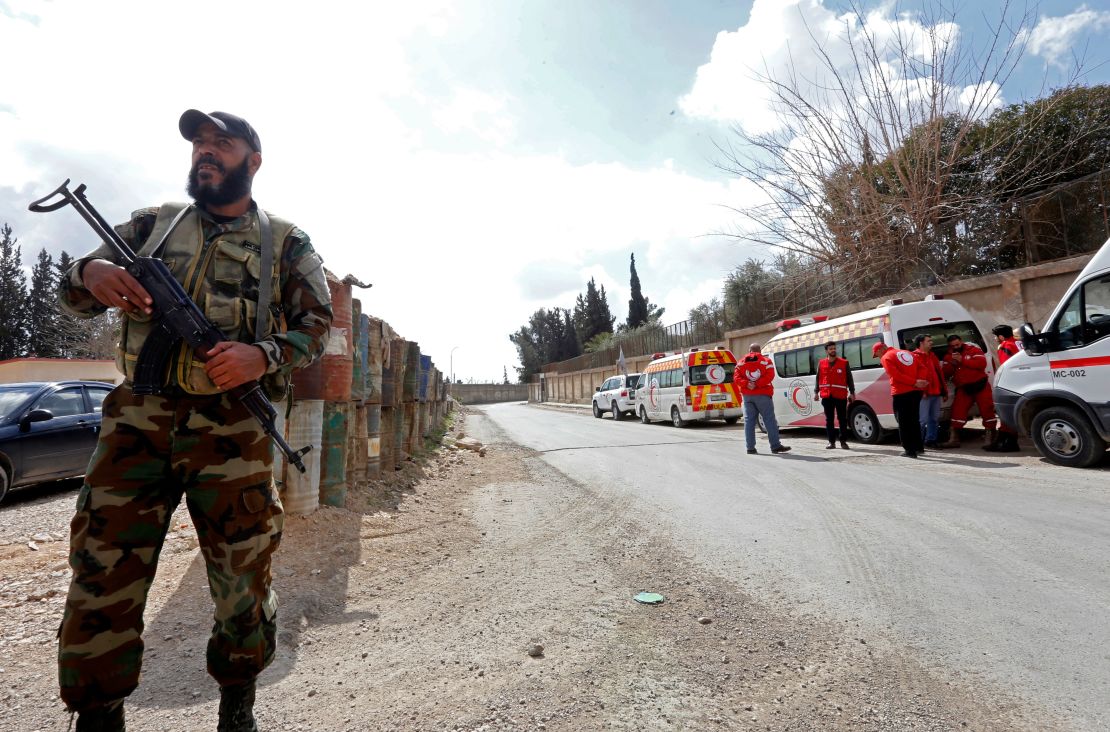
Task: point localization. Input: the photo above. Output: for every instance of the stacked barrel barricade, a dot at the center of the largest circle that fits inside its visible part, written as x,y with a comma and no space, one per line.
357,406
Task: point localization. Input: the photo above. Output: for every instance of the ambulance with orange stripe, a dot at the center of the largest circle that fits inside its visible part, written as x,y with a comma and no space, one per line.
1057,388
800,345
689,386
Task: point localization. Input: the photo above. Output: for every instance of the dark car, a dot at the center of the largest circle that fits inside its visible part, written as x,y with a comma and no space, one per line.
48,430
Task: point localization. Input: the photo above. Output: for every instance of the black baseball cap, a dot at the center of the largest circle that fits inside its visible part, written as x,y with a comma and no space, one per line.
233,125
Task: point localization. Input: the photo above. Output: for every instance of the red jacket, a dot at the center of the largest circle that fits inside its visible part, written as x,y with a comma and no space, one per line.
758,368
1007,349
834,379
933,373
903,369
971,369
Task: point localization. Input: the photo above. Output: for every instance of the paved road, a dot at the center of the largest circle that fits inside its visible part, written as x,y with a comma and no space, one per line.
993,565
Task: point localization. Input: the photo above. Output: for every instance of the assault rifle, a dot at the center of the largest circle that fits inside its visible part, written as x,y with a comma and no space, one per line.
175,317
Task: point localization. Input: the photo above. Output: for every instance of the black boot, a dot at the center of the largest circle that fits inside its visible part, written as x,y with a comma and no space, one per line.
237,708
108,718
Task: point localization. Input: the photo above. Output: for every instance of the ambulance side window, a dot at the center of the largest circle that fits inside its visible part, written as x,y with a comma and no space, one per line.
1096,308
850,351
1068,325
866,359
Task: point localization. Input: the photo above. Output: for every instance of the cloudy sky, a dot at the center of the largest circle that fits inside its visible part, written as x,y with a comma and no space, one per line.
474,159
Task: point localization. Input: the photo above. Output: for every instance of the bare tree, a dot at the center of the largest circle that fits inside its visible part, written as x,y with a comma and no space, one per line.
875,167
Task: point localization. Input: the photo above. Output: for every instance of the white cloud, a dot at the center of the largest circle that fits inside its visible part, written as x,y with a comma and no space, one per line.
442,235
1053,39
797,41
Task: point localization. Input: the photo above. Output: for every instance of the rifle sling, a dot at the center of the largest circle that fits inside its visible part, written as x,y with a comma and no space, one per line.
266,281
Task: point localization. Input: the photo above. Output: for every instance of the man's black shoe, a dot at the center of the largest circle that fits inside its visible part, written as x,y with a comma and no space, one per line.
102,719
237,708
844,445
831,446
752,451
780,448
932,445
909,455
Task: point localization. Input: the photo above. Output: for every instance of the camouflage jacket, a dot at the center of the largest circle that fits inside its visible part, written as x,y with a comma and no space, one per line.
301,297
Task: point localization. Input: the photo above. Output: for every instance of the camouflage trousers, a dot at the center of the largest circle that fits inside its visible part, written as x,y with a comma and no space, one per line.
152,451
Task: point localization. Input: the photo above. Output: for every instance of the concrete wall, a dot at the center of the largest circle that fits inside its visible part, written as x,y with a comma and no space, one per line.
488,393
1013,297
58,369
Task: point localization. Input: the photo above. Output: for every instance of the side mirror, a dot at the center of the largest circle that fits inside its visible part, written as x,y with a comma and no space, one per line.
598,388
1032,342
35,415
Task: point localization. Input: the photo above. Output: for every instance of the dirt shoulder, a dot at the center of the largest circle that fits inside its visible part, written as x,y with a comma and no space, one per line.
416,606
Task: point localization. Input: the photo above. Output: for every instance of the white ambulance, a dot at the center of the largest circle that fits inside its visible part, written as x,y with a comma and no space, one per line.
1057,389
800,346
687,386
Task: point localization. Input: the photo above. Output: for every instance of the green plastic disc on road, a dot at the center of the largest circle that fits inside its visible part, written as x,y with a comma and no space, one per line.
649,598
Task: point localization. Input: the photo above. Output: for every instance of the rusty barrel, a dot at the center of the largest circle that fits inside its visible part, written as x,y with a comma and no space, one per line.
358,445
385,428
373,421
333,453
359,339
373,375
329,378
412,372
301,491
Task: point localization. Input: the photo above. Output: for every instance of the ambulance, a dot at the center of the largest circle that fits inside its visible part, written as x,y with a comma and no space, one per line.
800,345
688,386
1057,388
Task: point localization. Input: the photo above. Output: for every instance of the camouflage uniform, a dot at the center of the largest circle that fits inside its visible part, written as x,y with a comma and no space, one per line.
204,446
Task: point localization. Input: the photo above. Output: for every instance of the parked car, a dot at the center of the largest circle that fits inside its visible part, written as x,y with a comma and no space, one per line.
48,430
617,395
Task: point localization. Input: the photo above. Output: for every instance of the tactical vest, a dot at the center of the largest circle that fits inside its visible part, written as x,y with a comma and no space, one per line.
832,379
222,278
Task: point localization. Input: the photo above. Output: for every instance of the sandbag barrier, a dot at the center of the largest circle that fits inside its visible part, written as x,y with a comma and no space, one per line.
366,406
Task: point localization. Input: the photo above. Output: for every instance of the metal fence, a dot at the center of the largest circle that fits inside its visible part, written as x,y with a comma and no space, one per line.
642,341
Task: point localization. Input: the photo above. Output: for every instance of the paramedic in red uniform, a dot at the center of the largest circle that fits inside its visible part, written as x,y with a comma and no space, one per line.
966,365
1007,348
835,389
753,376
935,393
907,382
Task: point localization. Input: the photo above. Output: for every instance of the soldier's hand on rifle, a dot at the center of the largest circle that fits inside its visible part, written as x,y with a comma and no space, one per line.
114,286
231,363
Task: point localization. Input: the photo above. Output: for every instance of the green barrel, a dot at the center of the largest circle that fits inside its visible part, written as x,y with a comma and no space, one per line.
333,454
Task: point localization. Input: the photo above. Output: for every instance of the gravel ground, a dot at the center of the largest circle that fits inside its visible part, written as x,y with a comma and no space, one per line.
423,605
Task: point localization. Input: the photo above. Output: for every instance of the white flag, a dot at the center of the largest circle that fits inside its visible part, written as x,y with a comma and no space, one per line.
621,363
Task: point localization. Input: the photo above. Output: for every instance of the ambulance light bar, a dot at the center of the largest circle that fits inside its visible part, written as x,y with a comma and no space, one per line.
934,296
895,301
790,323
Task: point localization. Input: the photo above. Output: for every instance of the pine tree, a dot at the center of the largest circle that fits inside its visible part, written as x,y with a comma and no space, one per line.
592,316
13,297
42,310
637,304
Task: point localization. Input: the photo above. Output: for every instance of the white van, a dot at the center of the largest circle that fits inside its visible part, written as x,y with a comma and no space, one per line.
688,386
800,346
1057,389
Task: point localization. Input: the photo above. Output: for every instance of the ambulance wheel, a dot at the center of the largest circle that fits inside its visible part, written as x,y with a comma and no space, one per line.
865,425
676,418
731,420
643,416
1064,436
597,412
618,415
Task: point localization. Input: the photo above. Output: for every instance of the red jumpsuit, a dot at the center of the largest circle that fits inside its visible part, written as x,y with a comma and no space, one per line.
969,376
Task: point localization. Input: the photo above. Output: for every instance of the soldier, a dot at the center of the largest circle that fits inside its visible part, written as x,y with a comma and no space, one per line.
194,439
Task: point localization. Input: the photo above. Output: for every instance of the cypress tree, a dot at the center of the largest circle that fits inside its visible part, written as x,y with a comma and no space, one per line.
13,297
42,311
637,304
